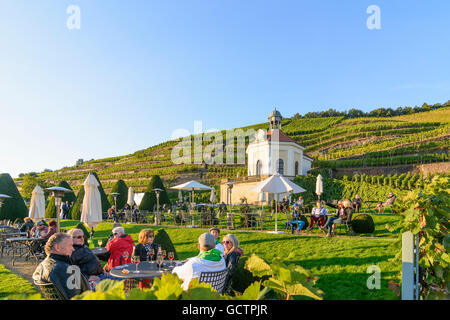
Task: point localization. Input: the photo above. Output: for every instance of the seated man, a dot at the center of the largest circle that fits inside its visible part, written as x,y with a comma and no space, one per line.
27,226
112,214
357,203
216,233
57,268
389,201
83,257
318,214
296,219
208,260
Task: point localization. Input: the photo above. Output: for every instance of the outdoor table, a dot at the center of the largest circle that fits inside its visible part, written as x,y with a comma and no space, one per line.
147,270
99,251
28,242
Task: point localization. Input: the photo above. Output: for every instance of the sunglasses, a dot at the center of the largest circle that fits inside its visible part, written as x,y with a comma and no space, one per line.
227,242
79,237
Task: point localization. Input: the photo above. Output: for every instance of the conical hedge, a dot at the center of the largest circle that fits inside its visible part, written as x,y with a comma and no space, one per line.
105,202
163,239
69,196
13,207
119,187
50,211
149,199
75,211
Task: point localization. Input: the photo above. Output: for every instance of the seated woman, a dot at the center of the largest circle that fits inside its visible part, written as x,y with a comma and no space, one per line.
84,258
343,215
143,250
389,201
232,255
120,244
52,225
39,230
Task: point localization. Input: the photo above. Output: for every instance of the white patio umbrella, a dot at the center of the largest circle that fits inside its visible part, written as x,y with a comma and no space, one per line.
319,185
277,184
130,200
91,213
191,186
37,204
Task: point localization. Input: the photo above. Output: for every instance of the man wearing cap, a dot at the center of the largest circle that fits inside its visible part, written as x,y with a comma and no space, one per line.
208,260
216,232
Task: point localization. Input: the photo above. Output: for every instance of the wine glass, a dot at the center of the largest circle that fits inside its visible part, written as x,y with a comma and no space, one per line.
136,260
151,253
164,254
125,256
171,255
159,260
100,243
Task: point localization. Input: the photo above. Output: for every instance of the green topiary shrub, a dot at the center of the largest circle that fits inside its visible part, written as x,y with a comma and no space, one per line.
75,211
13,207
363,223
68,196
50,211
105,202
119,187
149,199
163,239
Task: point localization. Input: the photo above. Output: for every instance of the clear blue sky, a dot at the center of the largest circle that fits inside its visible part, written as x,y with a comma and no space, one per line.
138,70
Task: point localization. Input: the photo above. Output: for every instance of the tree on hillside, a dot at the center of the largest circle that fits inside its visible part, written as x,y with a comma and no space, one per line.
149,199
14,207
119,187
29,182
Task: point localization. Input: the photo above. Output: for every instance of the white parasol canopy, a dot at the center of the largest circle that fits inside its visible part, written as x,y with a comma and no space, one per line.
130,200
319,185
37,204
277,184
191,186
92,204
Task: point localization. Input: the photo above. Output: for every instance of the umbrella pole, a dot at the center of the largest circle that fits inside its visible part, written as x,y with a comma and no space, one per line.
276,213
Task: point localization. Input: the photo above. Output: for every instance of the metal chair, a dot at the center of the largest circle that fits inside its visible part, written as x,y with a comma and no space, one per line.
216,279
49,290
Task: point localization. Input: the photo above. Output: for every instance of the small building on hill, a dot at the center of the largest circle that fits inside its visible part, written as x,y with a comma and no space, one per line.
270,152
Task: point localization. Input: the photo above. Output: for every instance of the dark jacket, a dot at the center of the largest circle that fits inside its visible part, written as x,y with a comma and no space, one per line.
83,257
231,262
139,250
54,269
27,226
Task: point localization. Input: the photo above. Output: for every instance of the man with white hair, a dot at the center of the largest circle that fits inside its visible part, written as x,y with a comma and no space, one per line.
208,260
120,244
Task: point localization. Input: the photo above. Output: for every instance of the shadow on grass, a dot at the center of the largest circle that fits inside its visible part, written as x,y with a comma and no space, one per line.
341,261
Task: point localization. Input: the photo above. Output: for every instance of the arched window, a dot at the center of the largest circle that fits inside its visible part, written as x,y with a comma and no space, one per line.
280,166
296,168
258,167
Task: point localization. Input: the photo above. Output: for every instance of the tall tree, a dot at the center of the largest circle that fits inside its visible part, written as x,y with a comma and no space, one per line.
14,207
149,199
119,187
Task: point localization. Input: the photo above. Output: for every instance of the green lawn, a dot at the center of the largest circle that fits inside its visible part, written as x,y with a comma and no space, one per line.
340,263
13,284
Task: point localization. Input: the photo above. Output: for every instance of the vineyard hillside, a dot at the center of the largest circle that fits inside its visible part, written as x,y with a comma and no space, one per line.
333,142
